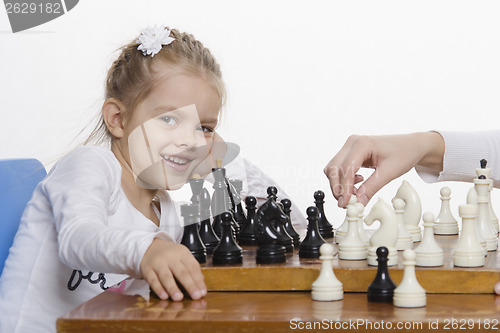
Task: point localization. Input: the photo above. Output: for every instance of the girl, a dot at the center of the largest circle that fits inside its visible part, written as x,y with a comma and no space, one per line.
102,216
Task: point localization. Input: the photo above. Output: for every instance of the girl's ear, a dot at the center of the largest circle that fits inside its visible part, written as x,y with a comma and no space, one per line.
113,113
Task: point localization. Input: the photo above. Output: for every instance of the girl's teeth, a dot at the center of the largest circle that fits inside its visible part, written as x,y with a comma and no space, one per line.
177,160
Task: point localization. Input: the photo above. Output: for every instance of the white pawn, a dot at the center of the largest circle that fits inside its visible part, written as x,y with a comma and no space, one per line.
413,210
342,230
361,224
472,200
493,217
404,238
445,224
352,246
327,287
409,293
468,252
428,252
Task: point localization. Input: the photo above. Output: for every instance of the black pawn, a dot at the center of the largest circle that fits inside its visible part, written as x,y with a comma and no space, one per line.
382,287
325,228
191,237
272,192
227,252
247,235
207,233
287,204
239,213
309,248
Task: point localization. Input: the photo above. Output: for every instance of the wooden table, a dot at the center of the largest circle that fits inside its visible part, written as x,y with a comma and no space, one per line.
276,298
281,312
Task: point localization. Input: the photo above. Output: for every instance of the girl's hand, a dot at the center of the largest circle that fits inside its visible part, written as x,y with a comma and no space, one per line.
391,156
165,262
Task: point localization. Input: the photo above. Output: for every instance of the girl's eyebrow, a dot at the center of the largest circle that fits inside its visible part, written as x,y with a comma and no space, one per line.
209,121
168,109
158,111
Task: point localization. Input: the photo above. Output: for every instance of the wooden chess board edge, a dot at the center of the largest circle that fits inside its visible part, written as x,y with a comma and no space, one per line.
276,278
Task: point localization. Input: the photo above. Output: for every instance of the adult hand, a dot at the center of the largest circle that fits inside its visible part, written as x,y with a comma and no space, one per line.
391,156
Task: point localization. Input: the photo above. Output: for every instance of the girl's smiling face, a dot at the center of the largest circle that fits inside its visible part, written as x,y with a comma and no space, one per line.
171,131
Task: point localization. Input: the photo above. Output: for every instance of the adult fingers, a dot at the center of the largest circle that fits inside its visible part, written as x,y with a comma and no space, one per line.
378,179
359,154
333,168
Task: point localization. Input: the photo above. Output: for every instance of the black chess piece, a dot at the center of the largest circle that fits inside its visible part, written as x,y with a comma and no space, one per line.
207,233
324,227
227,252
219,202
382,287
279,224
482,163
309,248
287,204
223,201
239,213
191,237
271,249
196,184
247,234
272,192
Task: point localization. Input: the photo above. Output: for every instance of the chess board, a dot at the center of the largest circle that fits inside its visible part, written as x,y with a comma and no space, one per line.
356,276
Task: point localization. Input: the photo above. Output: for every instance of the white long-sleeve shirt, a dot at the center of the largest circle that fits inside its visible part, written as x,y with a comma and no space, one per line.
463,151
78,235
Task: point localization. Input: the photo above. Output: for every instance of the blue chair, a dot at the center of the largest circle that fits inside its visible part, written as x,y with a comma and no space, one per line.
18,179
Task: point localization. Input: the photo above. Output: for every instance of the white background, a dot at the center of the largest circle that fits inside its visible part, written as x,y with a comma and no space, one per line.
301,77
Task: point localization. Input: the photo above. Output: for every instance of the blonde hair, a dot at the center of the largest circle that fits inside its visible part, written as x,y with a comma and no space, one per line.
132,77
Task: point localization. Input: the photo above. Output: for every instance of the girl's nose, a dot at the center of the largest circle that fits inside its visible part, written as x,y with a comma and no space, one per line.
189,138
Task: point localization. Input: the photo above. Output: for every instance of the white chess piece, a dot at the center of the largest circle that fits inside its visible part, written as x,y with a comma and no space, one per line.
482,187
472,200
429,253
342,230
468,252
409,293
445,223
413,210
352,246
361,224
327,287
493,216
405,240
386,235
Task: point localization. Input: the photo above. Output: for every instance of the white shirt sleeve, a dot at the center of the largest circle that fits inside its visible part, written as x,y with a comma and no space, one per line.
463,151
82,189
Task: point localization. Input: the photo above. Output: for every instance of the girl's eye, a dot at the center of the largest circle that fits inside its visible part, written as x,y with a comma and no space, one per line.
169,120
205,129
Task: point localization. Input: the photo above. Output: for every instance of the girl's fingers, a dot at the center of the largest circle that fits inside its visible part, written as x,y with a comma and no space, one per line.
183,274
155,284
168,282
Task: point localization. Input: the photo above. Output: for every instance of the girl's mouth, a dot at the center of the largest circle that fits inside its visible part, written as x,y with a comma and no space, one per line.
177,163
